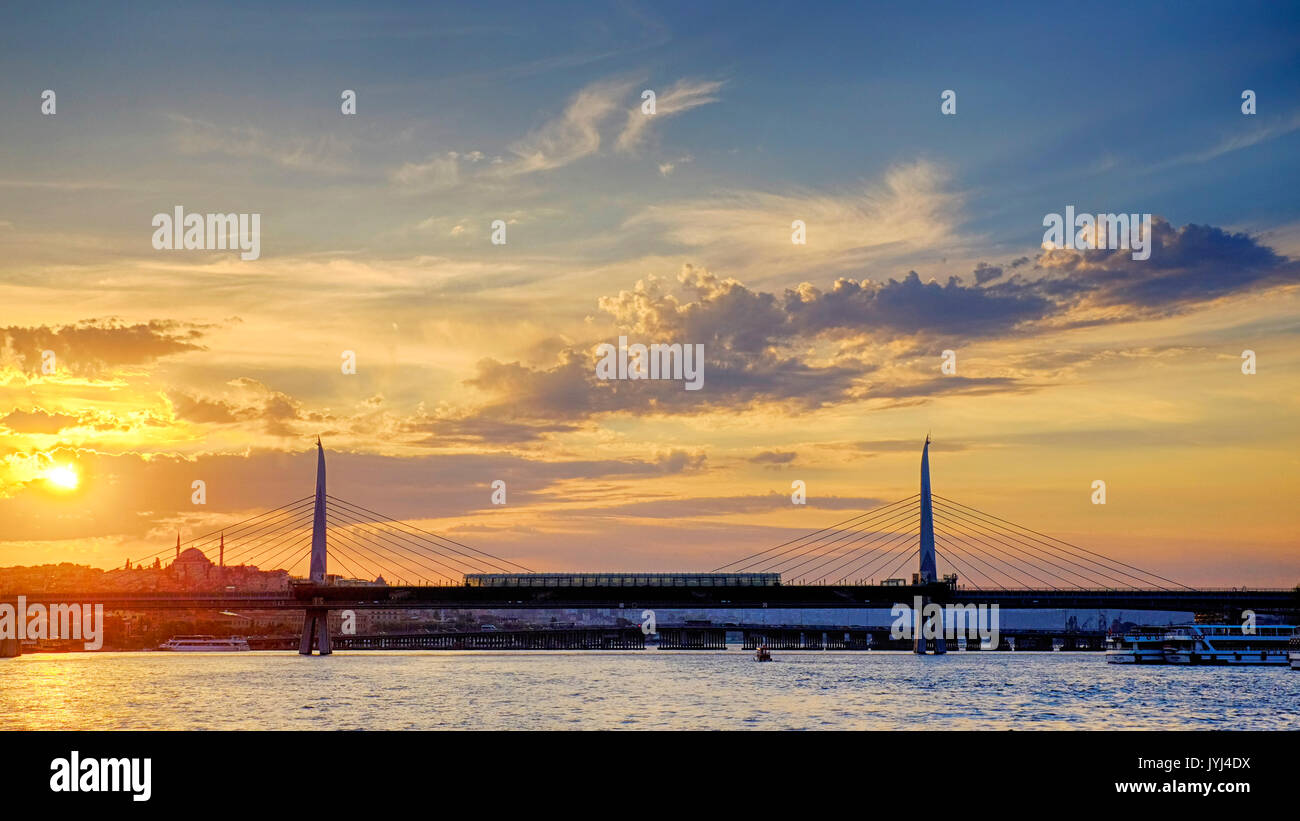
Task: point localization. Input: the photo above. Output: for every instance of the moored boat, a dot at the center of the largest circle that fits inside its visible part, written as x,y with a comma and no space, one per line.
1139,645
1221,644
205,644
1231,644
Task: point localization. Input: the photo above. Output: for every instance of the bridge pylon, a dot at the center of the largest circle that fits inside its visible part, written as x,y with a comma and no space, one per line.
928,573
315,621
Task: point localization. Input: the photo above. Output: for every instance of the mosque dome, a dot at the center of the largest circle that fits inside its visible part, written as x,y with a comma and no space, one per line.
193,556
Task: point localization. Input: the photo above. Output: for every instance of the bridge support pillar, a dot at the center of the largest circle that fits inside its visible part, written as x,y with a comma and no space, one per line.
922,625
315,630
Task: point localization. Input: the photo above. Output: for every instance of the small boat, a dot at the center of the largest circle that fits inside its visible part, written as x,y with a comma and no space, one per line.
762,655
205,644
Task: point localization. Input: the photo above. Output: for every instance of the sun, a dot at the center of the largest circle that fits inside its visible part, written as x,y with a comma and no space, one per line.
63,476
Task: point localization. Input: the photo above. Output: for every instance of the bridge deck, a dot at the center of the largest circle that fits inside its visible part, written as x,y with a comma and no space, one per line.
782,596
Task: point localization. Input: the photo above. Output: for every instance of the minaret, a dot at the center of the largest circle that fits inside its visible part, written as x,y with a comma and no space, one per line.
928,572
221,556
178,546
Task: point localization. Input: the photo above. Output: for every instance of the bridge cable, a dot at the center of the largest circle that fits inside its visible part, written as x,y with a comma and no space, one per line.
423,559
393,559
867,568
301,547
820,548
430,533
871,512
1068,544
953,562
243,546
354,519
243,552
336,551
792,544
860,551
274,549
887,521
904,561
1016,567
899,541
1090,566
955,517
942,539
861,529
225,529
1023,564
424,544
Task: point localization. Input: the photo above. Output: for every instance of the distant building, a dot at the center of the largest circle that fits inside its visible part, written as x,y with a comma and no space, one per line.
191,566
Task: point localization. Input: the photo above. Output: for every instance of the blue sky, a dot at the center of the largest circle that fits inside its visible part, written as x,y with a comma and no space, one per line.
1112,110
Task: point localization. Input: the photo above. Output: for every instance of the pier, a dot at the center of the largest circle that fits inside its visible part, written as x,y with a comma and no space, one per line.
692,637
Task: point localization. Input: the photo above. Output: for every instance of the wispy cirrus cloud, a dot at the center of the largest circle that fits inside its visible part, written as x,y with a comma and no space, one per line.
575,134
1255,136
678,98
439,170
911,208
323,153
587,122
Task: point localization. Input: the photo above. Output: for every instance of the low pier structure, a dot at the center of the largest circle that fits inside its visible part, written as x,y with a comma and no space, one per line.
692,638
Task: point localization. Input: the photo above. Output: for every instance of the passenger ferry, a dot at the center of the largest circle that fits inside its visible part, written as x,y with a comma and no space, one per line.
204,644
1141,645
1227,644
1203,644
1294,647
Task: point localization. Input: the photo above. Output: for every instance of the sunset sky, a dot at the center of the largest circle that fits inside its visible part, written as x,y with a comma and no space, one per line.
476,361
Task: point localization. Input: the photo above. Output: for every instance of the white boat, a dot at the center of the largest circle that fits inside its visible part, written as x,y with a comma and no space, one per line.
1294,649
1232,644
204,644
1140,645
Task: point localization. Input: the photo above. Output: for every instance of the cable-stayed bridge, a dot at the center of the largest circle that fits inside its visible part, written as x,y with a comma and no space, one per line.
348,556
